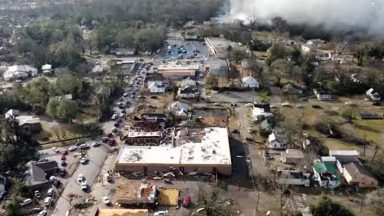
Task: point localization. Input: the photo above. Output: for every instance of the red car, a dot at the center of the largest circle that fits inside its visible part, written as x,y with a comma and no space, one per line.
110,135
63,157
112,142
65,152
186,201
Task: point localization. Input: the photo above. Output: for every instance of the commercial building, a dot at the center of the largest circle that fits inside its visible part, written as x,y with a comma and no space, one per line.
193,150
176,71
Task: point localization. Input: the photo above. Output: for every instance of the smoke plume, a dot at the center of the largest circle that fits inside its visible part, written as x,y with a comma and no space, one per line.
344,14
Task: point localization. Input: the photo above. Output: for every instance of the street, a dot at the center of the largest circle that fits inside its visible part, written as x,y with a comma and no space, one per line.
99,162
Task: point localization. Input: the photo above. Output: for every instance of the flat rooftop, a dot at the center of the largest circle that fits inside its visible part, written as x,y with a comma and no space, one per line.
134,134
194,147
177,67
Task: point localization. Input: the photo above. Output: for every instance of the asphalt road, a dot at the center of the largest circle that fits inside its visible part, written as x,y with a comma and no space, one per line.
98,163
90,170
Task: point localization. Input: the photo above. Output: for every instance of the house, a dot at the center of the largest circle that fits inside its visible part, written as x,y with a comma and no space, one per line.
326,173
188,92
47,69
260,114
29,124
179,109
292,156
156,86
19,72
315,42
292,177
12,112
324,56
250,82
98,69
276,141
355,173
373,95
368,115
38,174
323,95
352,170
305,48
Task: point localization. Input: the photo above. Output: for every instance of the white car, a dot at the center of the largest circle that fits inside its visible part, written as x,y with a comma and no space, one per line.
72,148
84,186
42,213
47,201
114,116
84,146
106,200
125,94
26,202
55,149
161,213
80,177
83,160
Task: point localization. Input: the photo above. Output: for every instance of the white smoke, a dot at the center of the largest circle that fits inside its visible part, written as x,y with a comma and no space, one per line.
345,14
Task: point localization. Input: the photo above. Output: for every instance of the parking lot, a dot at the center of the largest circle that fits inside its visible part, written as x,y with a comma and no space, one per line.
194,51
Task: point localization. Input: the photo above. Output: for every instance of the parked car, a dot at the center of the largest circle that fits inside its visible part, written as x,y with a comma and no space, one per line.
63,157
55,149
84,186
106,200
186,201
83,160
26,202
161,213
65,152
112,142
47,201
43,160
96,144
72,148
42,213
108,177
80,177
84,146
37,194
105,139
63,163
51,192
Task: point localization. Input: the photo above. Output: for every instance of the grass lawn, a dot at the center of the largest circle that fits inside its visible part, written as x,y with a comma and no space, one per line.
370,129
340,145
